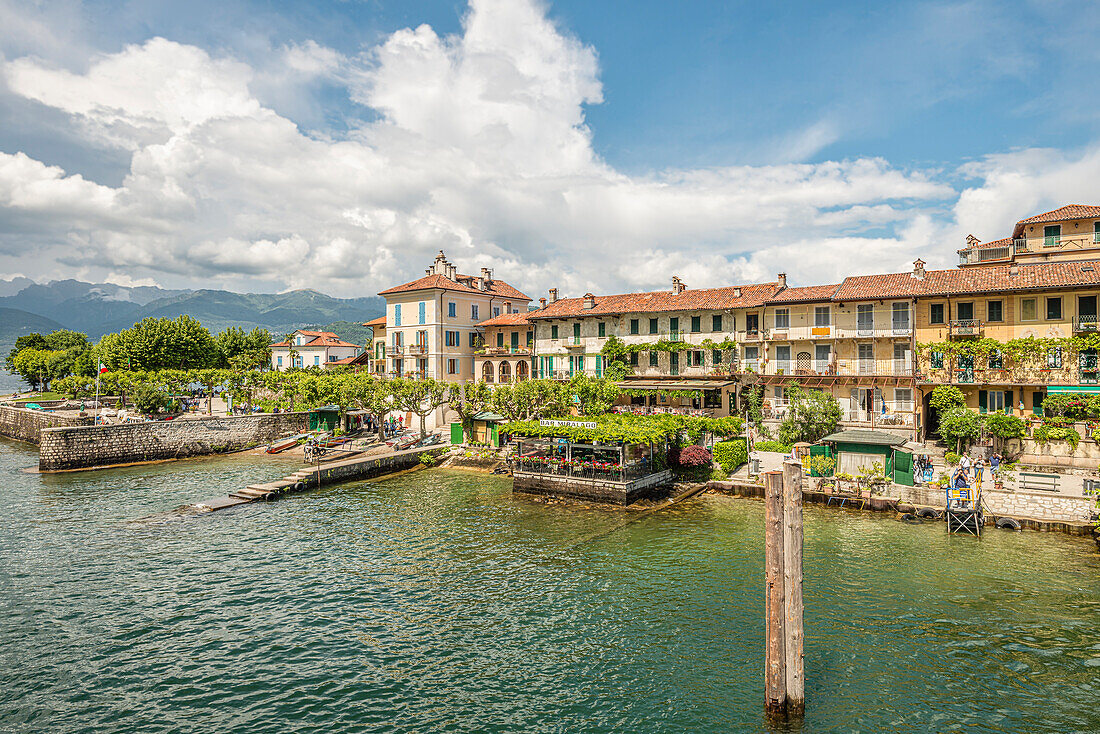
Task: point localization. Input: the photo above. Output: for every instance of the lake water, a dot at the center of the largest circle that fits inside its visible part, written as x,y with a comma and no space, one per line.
436,601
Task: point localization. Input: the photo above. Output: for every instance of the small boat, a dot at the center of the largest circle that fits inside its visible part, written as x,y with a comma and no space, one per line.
283,444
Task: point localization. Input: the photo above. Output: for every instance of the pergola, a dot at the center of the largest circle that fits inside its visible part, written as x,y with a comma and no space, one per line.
592,449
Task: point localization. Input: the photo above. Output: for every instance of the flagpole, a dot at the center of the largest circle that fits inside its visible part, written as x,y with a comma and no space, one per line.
95,418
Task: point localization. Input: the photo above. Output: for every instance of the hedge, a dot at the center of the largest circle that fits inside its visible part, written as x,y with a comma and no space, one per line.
731,454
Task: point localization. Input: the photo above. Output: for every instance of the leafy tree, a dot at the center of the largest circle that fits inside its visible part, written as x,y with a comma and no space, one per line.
211,380
26,341
812,416
617,359
1004,427
419,396
520,401
243,350
946,397
468,399
150,397
371,394
593,396
34,366
156,344
960,425
63,339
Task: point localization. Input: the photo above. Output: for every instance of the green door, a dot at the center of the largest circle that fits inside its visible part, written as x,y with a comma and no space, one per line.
903,468
456,433
494,435
818,450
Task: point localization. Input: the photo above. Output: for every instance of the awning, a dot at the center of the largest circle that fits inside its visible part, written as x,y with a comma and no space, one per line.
867,437
1086,389
671,385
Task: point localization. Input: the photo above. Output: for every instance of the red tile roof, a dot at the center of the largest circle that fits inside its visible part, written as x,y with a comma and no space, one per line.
508,319
1061,214
320,339
1005,242
962,281
463,284
380,321
804,294
700,299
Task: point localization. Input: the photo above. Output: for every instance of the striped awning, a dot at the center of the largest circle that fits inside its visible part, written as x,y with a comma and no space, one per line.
1079,389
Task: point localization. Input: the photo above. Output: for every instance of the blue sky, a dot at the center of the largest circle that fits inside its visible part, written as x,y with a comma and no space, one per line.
719,140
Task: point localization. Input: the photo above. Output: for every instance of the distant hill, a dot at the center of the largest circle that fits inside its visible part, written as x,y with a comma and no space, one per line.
100,308
349,331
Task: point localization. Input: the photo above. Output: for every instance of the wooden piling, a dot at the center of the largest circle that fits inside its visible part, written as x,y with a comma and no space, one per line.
792,589
775,676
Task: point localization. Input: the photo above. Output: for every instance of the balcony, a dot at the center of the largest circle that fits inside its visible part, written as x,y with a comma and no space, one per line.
964,375
965,328
1085,324
882,367
572,343
977,255
754,335
673,336
504,351
896,414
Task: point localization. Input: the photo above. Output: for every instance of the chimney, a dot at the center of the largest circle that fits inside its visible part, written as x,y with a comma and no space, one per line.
440,264
589,300
427,271
918,269
481,283
782,278
678,286
487,274
553,295
451,271
542,303
507,307
737,292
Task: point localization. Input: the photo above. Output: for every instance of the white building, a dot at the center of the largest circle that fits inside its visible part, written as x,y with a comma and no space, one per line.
312,349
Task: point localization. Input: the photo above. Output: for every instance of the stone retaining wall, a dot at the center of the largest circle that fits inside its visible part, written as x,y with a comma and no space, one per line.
618,493
1040,505
26,425
77,448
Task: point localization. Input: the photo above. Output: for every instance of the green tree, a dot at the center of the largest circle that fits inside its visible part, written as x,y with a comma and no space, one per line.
593,396
420,397
63,339
371,394
1004,427
149,397
26,341
530,399
946,397
34,365
155,344
242,349
617,359
468,399
813,415
961,426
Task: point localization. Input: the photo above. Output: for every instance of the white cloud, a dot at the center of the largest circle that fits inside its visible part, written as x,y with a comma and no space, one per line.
479,146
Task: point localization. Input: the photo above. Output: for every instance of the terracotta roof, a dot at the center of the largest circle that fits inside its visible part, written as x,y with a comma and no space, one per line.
380,321
699,299
1005,242
463,284
508,319
805,294
320,339
361,358
1062,213
961,281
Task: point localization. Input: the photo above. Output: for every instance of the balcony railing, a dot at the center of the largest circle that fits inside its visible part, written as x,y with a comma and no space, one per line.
894,416
754,335
1084,323
966,327
964,375
891,367
984,254
501,351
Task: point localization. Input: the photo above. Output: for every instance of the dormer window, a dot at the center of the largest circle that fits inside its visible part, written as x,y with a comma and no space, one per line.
1052,235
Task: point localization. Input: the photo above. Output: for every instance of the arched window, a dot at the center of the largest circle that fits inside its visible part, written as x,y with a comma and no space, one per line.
521,371
487,372
505,372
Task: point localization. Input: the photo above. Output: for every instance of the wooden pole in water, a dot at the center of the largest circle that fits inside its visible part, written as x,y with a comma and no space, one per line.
792,588
775,676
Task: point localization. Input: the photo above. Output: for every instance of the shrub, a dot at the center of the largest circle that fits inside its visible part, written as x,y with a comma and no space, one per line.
694,456
731,454
822,466
718,474
952,458
960,426
947,397
773,446
148,398
1045,433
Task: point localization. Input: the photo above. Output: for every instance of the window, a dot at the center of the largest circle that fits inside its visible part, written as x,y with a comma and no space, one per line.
422,312
995,311
696,324
782,318
996,360
653,359
450,338
903,397
397,315
822,353
577,333
1054,308
716,322
935,313
674,363
936,358
316,360
473,312
783,358
633,359
865,319
822,316
634,326
452,366
602,329
1028,311
473,340
496,311
674,324
965,311
280,361
500,338
899,317
452,311
1054,358
1095,237
697,359
752,354
717,357
554,331
1052,235
653,326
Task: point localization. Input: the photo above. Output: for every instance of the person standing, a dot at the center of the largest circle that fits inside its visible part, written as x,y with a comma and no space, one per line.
979,472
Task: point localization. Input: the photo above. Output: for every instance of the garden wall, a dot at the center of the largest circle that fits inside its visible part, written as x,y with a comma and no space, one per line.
26,425
76,448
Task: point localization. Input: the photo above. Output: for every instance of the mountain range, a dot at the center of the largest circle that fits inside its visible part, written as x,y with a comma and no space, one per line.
100,308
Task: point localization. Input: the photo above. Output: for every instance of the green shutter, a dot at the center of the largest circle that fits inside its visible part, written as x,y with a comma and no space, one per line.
1037,402
983,401
1008,402
456,433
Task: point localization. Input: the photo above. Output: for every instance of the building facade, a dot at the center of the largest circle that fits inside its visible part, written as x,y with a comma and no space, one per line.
431,325
507,346
312,349
377,364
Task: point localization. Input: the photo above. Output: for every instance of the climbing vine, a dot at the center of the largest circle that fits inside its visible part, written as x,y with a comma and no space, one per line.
1020,350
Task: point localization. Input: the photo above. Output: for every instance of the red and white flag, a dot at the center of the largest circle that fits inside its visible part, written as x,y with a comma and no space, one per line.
102,368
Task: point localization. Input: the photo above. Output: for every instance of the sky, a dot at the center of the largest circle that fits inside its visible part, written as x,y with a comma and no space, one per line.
589,146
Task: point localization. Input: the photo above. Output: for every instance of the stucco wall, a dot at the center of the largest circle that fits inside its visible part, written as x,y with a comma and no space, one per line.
74,448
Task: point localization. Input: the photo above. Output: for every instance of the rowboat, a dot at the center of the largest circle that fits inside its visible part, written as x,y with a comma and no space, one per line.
283,444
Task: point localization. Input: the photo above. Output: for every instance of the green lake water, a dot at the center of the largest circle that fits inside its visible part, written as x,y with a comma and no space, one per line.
438,602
